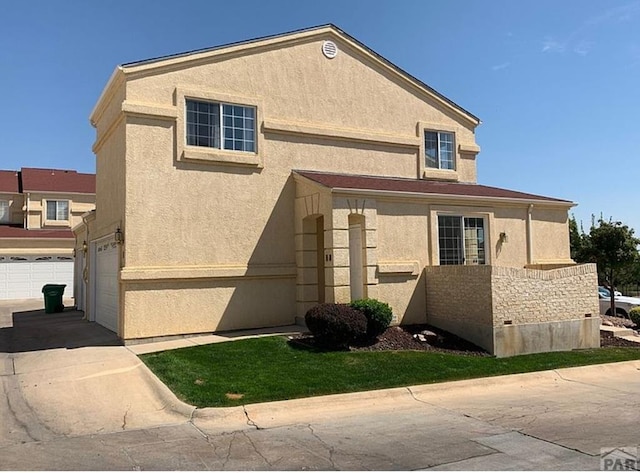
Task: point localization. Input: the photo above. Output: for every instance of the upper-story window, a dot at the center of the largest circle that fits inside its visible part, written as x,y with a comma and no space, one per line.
439,150
57,210
4,211
220,125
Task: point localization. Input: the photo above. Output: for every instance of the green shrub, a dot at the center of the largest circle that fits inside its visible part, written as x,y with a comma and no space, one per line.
336,325
634,315
378,315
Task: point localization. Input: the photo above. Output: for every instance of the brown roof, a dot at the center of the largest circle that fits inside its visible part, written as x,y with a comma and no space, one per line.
418,186
9,182
7,231
57,180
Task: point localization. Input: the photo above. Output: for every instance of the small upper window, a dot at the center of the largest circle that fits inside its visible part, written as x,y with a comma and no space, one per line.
57,210
439,150
4,211
222,126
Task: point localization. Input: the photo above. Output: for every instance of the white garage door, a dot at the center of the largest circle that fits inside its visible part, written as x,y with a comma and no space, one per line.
106,283
22,277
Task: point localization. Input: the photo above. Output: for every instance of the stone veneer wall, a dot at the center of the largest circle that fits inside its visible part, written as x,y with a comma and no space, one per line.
532,296
511,311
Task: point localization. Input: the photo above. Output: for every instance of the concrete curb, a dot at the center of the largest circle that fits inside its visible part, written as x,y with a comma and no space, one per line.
298,411
168,398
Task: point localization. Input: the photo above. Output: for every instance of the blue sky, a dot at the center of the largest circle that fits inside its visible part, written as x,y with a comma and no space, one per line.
555,83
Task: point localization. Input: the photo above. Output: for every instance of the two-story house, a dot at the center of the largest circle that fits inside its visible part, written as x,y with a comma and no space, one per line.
240,185
38,208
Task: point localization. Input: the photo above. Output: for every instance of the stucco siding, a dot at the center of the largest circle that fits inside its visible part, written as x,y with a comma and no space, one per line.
161,308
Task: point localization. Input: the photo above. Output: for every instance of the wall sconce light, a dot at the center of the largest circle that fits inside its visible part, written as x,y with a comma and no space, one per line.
84,247
119,236
504,238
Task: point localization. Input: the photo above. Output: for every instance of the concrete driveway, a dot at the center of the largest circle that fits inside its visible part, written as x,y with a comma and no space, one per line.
62,376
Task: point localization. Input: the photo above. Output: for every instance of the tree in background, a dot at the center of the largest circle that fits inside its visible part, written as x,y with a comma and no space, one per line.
612,246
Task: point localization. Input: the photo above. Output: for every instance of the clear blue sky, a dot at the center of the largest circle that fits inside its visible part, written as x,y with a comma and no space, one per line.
556,83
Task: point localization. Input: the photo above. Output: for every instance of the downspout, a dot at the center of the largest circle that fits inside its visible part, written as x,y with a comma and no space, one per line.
529,236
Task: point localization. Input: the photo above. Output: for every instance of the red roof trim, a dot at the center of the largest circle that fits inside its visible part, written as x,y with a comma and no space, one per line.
419,186
9,182
57,180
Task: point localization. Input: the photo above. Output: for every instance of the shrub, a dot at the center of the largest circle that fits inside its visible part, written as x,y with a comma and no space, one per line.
378,315
336,325
634,315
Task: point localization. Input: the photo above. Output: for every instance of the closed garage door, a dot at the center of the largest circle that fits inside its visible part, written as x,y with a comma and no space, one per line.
106,283
22,277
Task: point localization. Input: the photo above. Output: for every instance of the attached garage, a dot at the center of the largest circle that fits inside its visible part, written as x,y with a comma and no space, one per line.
22,277
105,289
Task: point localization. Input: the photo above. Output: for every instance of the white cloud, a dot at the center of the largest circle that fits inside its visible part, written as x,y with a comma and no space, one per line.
553,46
498,67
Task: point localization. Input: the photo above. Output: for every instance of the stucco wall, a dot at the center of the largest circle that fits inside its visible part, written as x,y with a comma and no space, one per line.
16,201
198,223
511,311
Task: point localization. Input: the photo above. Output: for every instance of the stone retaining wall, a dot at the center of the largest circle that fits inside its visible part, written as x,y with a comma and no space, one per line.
510,311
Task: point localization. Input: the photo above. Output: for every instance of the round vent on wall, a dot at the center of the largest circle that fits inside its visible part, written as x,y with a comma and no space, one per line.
329,49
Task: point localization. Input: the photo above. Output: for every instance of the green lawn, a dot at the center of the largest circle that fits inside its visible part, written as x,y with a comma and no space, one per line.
269,369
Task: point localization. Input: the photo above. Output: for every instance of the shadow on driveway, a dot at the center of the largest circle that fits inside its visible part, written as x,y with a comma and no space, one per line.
34,330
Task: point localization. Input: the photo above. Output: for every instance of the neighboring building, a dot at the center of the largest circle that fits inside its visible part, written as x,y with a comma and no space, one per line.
38,208
238,186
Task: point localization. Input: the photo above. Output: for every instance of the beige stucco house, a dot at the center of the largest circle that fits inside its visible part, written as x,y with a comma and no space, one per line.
38,208
238,186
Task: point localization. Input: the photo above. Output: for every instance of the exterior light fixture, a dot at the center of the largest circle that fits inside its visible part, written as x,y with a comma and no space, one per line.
503,237
84,247
119,236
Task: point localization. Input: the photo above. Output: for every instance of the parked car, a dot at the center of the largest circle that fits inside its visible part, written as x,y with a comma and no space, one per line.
623,303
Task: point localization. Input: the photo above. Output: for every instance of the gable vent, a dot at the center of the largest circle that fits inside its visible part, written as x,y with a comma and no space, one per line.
329,49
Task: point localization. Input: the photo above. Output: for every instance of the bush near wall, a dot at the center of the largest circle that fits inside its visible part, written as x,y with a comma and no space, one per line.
378,315
634,315
336,325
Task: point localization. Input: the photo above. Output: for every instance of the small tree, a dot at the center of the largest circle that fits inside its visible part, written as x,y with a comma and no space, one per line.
612,246
578,242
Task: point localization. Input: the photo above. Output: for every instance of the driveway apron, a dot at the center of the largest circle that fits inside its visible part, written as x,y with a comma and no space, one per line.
62,376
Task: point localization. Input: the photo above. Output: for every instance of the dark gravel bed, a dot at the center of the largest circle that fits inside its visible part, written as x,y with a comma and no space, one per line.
402,338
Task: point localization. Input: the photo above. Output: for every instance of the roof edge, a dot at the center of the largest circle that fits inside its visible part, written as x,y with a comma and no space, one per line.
152,63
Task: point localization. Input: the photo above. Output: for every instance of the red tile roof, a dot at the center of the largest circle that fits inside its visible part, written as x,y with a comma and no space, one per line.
9,182
419,186
57,180
7,231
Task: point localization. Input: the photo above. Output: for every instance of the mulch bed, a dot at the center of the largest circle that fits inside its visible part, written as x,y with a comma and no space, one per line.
402,338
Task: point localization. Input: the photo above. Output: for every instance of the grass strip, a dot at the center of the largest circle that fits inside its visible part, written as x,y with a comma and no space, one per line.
269,369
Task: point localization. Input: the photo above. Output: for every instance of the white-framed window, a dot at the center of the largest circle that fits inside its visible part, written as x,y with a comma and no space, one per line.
4,211
439,150
461,240
220,125
57,210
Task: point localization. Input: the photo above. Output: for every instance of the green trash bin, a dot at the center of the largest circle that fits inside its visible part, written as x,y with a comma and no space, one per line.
53,297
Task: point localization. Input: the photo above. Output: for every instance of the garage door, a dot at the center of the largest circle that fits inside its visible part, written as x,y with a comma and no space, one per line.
22,277
106,283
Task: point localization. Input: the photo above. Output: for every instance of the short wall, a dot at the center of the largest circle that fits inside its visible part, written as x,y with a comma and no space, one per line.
512,311
459,301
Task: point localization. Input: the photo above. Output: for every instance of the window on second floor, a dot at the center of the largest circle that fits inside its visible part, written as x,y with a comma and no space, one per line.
4,211
439,150
221,126
57,210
